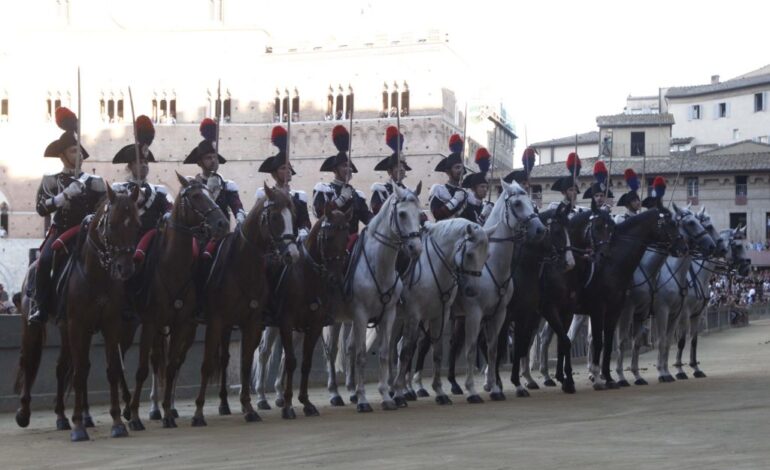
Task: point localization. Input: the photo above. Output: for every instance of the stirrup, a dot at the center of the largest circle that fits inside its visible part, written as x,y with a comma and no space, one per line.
37,317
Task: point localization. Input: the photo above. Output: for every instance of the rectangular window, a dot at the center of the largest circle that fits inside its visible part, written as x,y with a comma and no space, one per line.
120,109
4,109
737,219
762,139
695,111
637,144
722,110
736,134
692,187
741,190
172,109
759,102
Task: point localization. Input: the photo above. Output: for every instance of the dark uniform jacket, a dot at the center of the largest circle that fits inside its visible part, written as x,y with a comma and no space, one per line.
225,194
156,202
73,212
325,193
440,195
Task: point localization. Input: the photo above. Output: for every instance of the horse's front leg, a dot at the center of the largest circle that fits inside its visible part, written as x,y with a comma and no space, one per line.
147,339
111,334
697,372
437,324
250,335
264,357
472,326
386,331
308,346
29,363
356,347
224,361
456,342
405,356
64,369
210,356
545,337
80,342
331,337
492,329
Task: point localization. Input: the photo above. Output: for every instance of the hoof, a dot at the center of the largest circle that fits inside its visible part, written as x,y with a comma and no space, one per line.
155,415
443,400
681,376
224,409
63,424
598,386
119,430
279,402
364,408
174,413
126,413
253,417
170,422
389,405
288,413
391,393
640,382
411,395
549,383
337,401
568,387
79,435
89,422
699,374
497,396
400,402
261,405
623,383
475,399
353,398
310,410
136,425
522,392
611,385
456,390
22,419
665,379
422,393
533,386
197,422
487,388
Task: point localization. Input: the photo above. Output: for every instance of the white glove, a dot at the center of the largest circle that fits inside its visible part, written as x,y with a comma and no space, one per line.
457,199
486,211
75,189
346,194
240,217
60,200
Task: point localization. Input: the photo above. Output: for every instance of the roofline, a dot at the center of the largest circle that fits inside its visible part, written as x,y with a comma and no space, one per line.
716,92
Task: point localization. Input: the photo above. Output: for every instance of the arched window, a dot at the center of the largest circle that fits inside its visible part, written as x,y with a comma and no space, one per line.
349,103
218,107
394,101
330,104
120,109
163,110
4,218
385,107
405,100
172,107
227,111
295,106
155,108
340,105
4,108
111,109
285,108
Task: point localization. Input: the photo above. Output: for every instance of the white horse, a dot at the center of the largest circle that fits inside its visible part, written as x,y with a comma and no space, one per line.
373,285
657,271
484,299
730,247
451,249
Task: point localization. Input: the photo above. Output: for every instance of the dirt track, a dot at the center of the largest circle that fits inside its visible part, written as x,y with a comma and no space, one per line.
719,422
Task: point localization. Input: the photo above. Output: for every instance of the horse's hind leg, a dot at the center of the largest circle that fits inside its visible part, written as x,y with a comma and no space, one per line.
146,340
114,370
250,334
308,346
697,372
80,341
455,348
224,361
289,366
546,335
331,338
263,357
423,347
126,340
64,371
29,363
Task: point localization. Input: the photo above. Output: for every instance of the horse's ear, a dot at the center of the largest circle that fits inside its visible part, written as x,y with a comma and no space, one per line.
507,188
676,209
469,230
268,191
110,194
702,211
182,180
418,189
135,194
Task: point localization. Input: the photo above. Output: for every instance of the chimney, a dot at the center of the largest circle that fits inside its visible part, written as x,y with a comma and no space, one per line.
714,79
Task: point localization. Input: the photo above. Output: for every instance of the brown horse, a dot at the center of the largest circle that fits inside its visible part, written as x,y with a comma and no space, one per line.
237,292
171,298
102,260
302,302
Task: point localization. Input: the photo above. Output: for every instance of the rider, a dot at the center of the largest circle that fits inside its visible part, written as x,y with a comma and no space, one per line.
67,196
656,195
448,200
396,170
598,192
568,186
629,200
476,208
154,201
339,194
281,171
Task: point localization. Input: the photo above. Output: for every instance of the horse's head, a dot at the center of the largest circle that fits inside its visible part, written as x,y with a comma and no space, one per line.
666,232
598,231
721,244
275,216
519,213
691,228
405,218
556,241
737,256
330,238
114,232
471,250
195,209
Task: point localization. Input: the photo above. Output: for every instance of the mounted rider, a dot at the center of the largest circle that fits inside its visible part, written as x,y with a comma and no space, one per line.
599,192
656,195
522,176
282,172
154,200
67,196
477,209
396,169
569,187
448,200
629,200
339,194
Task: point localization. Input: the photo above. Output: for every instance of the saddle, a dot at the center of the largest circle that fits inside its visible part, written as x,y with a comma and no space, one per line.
64,262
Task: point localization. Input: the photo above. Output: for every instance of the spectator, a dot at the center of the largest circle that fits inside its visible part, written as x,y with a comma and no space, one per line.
3,294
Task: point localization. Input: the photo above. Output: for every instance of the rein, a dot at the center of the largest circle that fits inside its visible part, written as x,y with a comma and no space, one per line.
107,252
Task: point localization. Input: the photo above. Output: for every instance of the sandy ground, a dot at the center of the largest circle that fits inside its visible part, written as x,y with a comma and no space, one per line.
719,422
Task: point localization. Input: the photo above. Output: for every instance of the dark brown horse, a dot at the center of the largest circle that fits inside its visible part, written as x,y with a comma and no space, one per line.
303,301
237,292
171,298
102,260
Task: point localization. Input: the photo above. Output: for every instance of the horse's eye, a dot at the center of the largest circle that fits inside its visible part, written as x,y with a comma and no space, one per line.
517,204
402,215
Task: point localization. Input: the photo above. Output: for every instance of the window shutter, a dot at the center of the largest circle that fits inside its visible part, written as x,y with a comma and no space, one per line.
689,113
764,101
716,111
727,109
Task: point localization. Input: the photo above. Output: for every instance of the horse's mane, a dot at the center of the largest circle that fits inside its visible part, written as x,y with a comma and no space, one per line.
448,228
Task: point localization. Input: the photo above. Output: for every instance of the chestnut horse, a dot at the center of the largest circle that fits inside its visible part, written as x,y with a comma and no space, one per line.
237,291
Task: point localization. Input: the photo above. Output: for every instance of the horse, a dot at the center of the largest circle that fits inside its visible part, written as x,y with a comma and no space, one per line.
649,282
236,292
372,286
102,261
171,299
734,252
512,221
305,300
451,249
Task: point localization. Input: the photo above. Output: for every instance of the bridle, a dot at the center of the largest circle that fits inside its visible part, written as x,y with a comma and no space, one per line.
395,227
203,228
521,224
279,244
108,251
321,239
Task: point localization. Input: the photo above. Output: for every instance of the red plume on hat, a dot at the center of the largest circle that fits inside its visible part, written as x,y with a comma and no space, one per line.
279,137
392,138
573,163
66,119
659,187
145,131
341,138
208,129
482,159
456,143
600,172
631,179
528,159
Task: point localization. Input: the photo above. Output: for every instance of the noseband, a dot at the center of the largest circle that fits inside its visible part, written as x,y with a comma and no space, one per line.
395,227
108,252
519,228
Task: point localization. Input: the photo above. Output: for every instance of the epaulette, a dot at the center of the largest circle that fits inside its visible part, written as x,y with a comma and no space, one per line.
230,185
302,195
96,183
323,188
379,187
361,194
